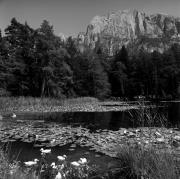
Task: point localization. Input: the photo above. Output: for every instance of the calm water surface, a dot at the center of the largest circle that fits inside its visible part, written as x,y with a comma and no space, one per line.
106,120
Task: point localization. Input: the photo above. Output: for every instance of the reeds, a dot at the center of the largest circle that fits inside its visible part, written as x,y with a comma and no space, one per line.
16,103
138,162
4,164
148,116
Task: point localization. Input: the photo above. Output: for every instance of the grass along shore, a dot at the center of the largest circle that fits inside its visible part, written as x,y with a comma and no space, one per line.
86,104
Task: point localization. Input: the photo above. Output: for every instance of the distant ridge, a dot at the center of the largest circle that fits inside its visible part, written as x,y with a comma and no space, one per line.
132,28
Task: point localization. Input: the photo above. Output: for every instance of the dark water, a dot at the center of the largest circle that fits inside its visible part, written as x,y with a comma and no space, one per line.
93,121
26,152
165,114
174,114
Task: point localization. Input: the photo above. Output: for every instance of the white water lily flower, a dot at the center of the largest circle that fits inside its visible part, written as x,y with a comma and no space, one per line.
45,151
82,161
53,141
58,176
75,164
61,158
31,163
12,172
62,166
53,164
36,137
125,131
13,115
54,167
157,134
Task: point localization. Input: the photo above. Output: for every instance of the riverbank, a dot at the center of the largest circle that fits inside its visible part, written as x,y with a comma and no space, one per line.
86,104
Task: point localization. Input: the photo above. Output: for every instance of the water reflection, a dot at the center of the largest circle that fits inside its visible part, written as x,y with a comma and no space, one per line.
101,120
174,114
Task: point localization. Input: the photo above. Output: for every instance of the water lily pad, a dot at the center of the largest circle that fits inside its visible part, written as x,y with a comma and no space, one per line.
38,145
71,149
11,140
73,146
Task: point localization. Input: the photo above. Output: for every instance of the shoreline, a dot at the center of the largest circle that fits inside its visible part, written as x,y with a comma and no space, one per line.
69,108
87,104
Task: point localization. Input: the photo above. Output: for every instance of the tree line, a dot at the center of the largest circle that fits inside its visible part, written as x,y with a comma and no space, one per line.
36,62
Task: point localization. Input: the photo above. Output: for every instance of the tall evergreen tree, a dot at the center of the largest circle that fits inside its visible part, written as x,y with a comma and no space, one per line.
118,75
90,79
20,46
53,74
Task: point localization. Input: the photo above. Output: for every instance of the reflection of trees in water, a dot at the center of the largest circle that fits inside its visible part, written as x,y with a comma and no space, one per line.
105,120
120,119
174,114
1,124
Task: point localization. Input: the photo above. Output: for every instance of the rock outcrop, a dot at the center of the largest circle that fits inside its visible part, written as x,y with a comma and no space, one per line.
133,29
62,37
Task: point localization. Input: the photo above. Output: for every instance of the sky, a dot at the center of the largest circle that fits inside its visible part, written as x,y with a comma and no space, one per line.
72,16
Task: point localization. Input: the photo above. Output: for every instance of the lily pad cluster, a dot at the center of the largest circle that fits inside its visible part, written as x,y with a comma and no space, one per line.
105,141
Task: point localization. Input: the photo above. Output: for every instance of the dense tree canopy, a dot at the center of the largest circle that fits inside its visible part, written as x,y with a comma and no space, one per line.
36,62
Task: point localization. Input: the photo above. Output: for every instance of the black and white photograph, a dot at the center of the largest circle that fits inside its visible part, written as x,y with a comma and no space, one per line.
89,89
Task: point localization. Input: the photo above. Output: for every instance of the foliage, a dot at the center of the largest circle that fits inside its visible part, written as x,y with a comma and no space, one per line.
36,62
118,72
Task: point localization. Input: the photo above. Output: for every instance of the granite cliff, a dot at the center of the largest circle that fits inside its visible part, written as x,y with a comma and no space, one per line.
132,28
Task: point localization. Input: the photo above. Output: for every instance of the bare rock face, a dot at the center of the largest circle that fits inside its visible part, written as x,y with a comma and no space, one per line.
62,37
133,29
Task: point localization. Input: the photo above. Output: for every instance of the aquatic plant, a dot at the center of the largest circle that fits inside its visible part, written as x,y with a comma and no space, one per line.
62,158
139,162
41,169
31,163
30,104
14,103
103,141
148,116
4,163
45,151
61,169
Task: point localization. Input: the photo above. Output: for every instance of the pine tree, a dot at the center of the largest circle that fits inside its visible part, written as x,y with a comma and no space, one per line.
54,75
119,72
20,46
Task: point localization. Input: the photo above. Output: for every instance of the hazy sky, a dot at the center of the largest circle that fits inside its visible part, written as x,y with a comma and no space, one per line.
72,16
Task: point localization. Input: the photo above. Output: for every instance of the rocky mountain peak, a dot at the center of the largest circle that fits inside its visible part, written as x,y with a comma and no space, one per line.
62,36
156,31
